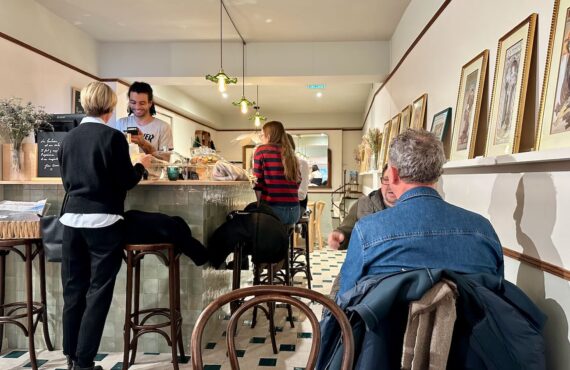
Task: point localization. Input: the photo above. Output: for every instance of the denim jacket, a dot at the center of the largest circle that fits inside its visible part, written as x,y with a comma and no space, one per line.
421,231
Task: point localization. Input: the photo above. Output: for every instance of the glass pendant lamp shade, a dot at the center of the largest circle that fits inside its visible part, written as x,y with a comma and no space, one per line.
222,79
243,103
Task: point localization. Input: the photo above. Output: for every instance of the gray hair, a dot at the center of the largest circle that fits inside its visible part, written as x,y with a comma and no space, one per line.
418,155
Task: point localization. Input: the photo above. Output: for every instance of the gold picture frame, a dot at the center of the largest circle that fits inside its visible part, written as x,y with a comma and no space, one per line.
514,54
419,113
394,127
383,157
553,129
76,107
405,118
468,107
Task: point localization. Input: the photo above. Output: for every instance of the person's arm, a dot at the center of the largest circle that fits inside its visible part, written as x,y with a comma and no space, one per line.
353,267
124,172
165,140
347,225
258,173
304,187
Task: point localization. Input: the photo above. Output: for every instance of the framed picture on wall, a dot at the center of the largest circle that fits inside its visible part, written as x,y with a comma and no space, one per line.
383,157
405,118
471,87
554,114
419,112
514,54
76,107
440,123
394,127
247,156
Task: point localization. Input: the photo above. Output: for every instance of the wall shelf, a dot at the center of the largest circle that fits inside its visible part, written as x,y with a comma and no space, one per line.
369,173
553,155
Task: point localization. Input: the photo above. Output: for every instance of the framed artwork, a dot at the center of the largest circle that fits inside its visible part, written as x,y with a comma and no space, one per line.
419,112
383,157
394,127
440,123
469,96
509,88
405,118
247,156
554,114
76,107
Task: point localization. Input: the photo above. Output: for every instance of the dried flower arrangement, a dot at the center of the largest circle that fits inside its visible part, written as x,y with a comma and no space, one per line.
17,121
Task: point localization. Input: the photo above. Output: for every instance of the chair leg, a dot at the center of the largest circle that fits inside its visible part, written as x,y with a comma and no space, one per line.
128,307
256,281
289,282
308,265
179,310
44,317
2,293
271,309
172,303
136,311
29,306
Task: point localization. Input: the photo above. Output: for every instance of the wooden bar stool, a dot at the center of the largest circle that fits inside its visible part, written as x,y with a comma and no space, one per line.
10,313
133,321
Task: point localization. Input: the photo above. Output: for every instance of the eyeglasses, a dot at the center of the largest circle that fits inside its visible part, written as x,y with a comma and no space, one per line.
385,180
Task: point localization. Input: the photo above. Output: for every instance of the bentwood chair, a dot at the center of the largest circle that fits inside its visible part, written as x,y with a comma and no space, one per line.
319,207
263,294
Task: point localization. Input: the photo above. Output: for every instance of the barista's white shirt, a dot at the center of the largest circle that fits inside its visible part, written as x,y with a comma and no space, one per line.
305,172
89,220
157,132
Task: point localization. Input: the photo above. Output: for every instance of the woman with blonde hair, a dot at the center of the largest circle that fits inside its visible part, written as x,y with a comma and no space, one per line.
96,171
277,172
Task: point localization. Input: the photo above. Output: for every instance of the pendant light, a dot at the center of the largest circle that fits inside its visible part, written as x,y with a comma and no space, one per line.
221,78
243,103
257,117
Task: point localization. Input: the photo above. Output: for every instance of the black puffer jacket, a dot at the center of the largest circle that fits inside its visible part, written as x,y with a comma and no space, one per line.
261,230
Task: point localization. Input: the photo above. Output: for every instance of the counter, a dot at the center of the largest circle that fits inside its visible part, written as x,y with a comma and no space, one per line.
203,204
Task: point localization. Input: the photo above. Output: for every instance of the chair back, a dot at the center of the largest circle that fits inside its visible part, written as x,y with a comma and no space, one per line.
319,207
264,294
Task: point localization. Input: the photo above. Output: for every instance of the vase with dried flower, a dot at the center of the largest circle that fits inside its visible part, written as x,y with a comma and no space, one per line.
17,121
373,139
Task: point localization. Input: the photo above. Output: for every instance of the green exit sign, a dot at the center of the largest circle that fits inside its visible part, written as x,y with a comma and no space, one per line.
316,86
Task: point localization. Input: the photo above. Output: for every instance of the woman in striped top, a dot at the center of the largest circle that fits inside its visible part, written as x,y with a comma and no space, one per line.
277,172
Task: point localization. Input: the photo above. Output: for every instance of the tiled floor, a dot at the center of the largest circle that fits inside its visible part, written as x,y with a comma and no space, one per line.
254,345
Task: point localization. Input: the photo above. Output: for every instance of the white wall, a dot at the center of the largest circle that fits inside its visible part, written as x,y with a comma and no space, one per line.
34,25
526,203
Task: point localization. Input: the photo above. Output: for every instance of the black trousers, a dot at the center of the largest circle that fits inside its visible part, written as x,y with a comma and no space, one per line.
90,262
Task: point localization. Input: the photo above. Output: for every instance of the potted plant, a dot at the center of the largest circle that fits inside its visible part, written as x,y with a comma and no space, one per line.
17,121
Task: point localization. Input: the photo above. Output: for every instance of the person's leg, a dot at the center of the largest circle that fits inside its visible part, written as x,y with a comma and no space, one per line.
75,275
105,246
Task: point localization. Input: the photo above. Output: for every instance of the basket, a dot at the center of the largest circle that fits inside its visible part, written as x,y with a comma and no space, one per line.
20,230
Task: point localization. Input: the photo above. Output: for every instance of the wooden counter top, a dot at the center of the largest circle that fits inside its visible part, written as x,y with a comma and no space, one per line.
53,181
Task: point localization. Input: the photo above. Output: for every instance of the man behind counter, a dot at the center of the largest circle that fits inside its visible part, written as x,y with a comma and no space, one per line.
153,133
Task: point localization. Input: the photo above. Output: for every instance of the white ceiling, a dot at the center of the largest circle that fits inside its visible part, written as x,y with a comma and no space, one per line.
258,21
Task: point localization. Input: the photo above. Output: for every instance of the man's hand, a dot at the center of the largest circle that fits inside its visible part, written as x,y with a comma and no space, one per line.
335,239
141,142
145,160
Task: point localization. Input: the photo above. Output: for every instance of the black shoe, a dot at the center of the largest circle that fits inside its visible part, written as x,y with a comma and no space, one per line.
244,264
69,362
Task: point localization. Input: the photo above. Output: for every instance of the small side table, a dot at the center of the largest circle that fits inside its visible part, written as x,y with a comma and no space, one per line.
10,313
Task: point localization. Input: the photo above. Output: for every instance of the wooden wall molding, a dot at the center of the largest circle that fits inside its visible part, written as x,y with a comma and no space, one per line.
537,263
403,58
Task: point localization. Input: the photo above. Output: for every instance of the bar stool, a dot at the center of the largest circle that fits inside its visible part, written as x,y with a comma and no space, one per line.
297,253
134,255
274,274
9,311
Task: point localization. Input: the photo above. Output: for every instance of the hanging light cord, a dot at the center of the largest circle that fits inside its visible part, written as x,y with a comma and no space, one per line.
221,36
243,69
233,23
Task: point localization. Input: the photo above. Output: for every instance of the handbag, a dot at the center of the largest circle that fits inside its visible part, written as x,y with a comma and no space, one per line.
52,235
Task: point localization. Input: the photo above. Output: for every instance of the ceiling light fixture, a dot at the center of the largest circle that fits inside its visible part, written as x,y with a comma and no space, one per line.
257,117
221,78
319,94
243,103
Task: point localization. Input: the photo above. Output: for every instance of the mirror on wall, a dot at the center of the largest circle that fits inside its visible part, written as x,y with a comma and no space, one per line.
315,149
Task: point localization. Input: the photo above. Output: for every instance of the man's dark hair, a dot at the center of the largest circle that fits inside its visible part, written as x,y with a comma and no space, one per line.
142,88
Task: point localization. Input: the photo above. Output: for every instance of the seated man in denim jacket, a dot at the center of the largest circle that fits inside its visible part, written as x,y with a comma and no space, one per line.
421,230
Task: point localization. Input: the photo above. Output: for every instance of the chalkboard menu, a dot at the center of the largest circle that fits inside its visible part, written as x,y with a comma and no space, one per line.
48,145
